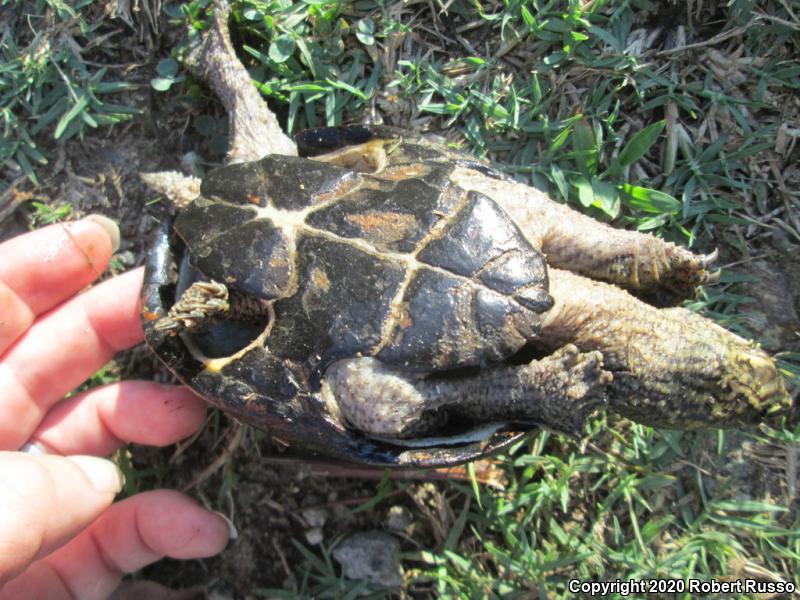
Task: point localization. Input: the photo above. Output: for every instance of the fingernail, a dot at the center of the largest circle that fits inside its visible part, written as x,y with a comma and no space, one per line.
110,227
104,474
232,533
34,448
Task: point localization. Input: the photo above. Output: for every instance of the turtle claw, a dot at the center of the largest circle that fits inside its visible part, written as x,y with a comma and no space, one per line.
713,276
682,273
708,259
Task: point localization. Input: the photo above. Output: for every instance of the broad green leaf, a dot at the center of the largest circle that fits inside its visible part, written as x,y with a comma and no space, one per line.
640,143
281,48
583,143
558,178
167,67
161,84
536,89
649,200
606,197
585,193
637,147
26,167
252,14
365,32
557,25
88,119
607,37
558,141
307,56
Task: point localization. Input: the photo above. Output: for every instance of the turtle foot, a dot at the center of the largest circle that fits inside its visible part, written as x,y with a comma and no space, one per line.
199,305
568,386
683,271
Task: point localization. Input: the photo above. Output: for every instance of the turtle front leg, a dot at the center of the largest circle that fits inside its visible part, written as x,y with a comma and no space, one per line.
559,391
672,368
205,303
637,261
202,303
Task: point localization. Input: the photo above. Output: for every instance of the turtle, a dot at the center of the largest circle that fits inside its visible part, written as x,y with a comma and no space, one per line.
388,300
363,305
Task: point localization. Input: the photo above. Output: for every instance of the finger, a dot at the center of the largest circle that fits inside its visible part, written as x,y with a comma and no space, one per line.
130,535
46,500
40,269
16,316
63,348
100,420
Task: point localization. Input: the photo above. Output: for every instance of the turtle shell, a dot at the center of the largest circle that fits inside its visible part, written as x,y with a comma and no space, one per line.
399,264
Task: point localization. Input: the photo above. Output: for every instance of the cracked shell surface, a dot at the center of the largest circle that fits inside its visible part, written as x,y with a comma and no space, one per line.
401,265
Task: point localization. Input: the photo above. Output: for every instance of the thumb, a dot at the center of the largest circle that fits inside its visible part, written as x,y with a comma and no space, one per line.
45,500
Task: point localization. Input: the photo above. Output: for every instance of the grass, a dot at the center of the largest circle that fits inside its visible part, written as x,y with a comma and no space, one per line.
598,104
567,98
53,83
637,509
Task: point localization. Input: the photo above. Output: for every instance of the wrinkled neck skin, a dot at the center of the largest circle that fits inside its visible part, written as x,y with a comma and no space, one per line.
672,368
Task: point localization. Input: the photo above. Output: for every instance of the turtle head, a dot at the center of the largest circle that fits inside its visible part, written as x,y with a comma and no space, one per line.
747,391
696,376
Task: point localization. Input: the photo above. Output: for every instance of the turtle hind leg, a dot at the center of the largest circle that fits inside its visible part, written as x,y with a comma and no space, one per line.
672,368
559,391
655,269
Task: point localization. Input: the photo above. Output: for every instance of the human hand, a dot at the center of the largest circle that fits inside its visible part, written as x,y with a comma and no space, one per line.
60,534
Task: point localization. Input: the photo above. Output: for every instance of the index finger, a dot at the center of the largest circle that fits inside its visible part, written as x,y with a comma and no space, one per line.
62,349
43,268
